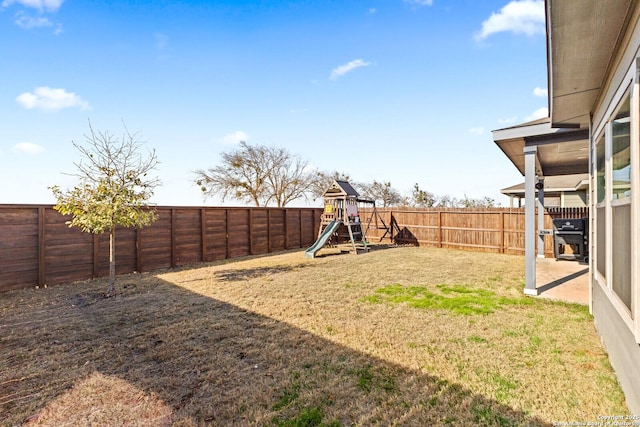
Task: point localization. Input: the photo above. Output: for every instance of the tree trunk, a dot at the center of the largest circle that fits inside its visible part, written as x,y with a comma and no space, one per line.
112,262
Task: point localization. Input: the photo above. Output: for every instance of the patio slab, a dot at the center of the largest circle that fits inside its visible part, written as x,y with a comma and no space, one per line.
563,280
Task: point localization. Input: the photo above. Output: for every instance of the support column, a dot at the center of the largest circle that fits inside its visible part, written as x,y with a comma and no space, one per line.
540,187
530,220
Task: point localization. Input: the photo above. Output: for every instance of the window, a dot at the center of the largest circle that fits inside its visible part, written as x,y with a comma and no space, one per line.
601,210
612,169
601,185
621,152
621,203
621,253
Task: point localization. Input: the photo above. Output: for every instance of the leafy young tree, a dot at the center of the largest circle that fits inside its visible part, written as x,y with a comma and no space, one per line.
113,188
257,174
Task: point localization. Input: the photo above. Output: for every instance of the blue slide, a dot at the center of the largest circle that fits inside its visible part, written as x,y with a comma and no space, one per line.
322,240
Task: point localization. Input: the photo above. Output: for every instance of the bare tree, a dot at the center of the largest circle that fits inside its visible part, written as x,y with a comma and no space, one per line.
484,202
288,177
422,198
242,175
382,193
323,180
446,201
258,174
113,188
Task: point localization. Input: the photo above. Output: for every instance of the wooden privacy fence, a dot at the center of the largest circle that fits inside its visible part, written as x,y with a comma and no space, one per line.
490,230
38,248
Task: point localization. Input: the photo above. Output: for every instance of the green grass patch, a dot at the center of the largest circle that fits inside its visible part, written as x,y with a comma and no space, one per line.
476,339
289,394
307,417
457,299
485,415
369,379
504,386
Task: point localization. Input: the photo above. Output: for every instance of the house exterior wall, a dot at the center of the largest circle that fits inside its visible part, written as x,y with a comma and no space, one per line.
574,200
552,201
619,342
615,234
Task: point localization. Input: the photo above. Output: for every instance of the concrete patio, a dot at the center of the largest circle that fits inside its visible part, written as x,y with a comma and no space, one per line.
563,280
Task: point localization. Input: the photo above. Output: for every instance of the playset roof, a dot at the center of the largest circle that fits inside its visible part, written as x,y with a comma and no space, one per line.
340,188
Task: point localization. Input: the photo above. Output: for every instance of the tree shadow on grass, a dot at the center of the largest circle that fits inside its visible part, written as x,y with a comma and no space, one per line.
158,354
235,275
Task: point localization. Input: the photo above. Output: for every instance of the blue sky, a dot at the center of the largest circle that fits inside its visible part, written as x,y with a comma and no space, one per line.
405,91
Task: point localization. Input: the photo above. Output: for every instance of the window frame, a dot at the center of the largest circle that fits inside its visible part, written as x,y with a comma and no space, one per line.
628,88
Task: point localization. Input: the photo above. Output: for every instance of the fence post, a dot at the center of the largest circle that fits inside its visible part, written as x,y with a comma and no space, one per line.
138,250
173,238
268,230
41,248
250,231
226,233
501,232
301,230
203,235
286,229
439,229
96,256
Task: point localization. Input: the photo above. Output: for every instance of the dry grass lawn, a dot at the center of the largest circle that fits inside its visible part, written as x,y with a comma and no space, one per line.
400,336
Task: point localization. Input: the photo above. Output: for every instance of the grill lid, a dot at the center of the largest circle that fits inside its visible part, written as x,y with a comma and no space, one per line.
568,224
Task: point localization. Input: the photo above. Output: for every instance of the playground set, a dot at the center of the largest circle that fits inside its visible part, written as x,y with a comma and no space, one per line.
341,222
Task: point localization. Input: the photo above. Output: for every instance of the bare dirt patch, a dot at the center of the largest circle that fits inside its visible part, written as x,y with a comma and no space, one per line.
285,341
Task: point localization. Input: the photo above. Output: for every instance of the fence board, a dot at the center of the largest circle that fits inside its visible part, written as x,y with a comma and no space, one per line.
187,236
277,230
259,231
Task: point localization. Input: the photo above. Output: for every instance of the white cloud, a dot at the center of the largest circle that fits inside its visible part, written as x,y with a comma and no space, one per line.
28,148
538,114
519,17
40,5
476,130
234,137
372,10
507,121
29,22
419,2
348,67
541,92
162,41
50,99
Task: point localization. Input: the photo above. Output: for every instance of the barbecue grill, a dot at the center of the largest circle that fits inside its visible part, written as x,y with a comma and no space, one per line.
570,238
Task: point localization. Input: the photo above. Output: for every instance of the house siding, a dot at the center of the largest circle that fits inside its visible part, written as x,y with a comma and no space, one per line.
620,344
575,200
